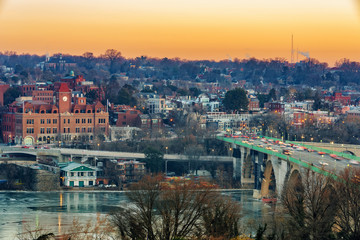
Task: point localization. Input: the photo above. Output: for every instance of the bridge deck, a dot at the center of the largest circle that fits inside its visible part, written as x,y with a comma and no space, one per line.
323,164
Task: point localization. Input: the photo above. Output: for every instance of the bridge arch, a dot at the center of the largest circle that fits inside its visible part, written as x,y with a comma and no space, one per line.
349,152
268,185
247,171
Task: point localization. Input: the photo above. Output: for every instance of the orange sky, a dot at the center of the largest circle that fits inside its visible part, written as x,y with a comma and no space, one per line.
189,29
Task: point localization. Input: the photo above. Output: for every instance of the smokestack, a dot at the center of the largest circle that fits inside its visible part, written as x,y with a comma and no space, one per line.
292,48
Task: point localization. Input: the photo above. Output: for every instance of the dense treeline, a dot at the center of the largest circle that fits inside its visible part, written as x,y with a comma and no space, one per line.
277,71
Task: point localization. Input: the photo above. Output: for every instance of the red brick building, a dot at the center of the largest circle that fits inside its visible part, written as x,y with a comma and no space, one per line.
127,116
3,89
338,97
26,90
35,122
150,121
254,104
276,107
46,96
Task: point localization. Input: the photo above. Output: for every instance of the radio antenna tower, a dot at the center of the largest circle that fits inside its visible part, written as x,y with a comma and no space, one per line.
292,48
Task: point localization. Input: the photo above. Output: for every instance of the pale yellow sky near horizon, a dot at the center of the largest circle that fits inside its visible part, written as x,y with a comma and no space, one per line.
199,29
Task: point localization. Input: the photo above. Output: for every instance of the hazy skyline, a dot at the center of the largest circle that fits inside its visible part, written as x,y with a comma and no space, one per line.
328,29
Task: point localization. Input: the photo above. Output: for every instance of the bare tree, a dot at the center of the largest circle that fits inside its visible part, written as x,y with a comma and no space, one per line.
311,202
348,193
182,210
221,218
113,56
193,154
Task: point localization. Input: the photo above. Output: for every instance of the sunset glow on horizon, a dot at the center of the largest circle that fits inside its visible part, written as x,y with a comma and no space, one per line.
328,29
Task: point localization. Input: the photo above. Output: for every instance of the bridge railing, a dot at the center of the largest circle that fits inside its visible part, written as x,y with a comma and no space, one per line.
280,155
328,151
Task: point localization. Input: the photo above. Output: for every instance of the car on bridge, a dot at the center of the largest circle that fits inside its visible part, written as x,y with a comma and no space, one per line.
287,152
323,164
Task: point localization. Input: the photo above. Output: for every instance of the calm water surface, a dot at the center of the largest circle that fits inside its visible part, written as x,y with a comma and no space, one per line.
55,211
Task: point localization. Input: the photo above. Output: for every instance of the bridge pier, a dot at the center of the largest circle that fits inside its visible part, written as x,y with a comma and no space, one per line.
281,169
237,163
239,158
258,160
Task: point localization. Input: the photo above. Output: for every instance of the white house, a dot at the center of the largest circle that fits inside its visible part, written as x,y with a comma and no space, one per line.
78,175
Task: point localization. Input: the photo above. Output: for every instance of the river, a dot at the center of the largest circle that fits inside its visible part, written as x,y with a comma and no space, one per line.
55,211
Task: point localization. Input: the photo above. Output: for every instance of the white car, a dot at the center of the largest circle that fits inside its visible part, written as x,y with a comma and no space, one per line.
323,164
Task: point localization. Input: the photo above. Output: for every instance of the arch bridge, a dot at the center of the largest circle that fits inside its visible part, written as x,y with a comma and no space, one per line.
265,166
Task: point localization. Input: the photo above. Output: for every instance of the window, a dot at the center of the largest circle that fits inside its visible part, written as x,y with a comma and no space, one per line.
68,130
48,121
90,174
54,130
69,121
91,183
101,120
72,174
64,130
83,120
90,130
77,130
54,121
83,130
89,120
42,130
48,130
64,120
77,120
29,130
42,121
28,121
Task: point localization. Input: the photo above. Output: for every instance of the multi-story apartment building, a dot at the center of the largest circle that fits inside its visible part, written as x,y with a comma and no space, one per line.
32,122
276,107
46,96
126,116
222,121
130,170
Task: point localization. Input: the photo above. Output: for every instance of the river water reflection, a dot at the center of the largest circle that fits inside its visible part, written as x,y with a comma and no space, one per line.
55,211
